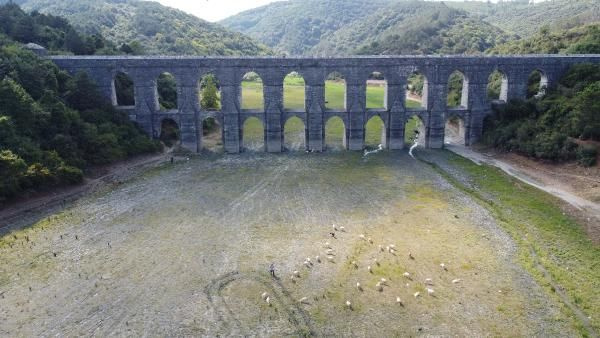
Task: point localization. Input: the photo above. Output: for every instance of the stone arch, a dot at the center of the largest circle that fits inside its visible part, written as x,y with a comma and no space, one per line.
169,132
212,133
335,136
294,92
455,131
166,90
537,83
376,91
414,130
375,132
335,92
294,134
497,87
252,92
458,90
417,90
253,134
209,92
123,90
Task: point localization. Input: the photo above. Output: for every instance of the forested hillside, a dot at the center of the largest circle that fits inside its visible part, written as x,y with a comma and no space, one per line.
295,27
52,125
147,27
413,27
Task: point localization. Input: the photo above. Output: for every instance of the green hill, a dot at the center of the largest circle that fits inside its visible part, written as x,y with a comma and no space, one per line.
148,27
414,27
296,26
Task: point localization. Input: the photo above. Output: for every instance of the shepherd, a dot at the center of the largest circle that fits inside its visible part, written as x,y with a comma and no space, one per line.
272,269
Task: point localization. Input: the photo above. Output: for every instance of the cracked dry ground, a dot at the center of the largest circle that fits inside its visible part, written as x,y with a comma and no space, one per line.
184,250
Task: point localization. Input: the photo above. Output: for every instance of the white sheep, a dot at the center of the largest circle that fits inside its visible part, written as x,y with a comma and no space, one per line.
410,256
358,287
392,246
430,291
329,251
370,240
354,264
329,258
264,296
428,281
318,259
417,294
388,249
334,227
379,287
268,300
297,274
327,245
361,236
308,260
342,229
303,300
406,274
454,281
443,266
399,301
369,268
307,264
383,281
381,248
348,304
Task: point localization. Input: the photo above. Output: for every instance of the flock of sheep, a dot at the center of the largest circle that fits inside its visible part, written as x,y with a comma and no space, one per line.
330,254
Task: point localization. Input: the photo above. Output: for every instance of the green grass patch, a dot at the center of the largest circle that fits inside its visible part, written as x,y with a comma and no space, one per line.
545,236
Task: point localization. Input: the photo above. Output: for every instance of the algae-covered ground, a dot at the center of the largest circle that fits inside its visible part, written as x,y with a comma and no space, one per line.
184,249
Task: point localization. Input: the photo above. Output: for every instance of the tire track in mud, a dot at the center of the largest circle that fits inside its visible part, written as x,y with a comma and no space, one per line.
296,316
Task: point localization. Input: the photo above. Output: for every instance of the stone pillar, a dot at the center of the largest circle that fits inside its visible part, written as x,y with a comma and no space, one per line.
436,104
146,101
517,83
356,107
396,93
315,100
188,106
231,111
478,105
273,94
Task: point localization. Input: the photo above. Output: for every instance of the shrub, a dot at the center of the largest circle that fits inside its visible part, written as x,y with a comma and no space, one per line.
587,155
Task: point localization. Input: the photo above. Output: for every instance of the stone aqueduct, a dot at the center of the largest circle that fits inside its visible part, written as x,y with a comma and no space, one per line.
229,71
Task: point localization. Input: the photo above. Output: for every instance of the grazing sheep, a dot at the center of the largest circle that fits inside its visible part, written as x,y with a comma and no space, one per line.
348,304
318,259
369,268
381,248
410,256
428,281
443,266
329,251
354,264
399,301
383,281
392,246
379,287
334,227
342,229
370,240
417,294
307,264
454,281
297,274
327,245
406,274
387,248
264,296
268,300
303,300
430,291
358,287
308,260
329,258
361,236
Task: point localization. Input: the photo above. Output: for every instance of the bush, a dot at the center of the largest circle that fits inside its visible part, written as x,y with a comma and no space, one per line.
587,155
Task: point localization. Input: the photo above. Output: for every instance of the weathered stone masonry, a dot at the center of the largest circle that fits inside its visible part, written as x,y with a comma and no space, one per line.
144,72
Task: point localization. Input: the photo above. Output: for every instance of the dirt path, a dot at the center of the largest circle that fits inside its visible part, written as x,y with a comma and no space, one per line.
541,179
21,208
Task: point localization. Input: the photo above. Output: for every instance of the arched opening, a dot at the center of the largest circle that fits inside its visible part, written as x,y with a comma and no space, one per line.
123,90
294,92
335,134
376,91
169,133
375,132
212,135
210,93
253,134
416,91
454,132
252,92
497,88
458,90
294,134
166,86
335,92
537,83
414,131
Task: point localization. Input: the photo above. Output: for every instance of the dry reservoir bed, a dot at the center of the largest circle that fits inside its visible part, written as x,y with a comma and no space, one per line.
184,249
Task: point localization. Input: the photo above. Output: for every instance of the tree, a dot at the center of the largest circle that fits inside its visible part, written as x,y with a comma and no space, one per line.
12,169
210,97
